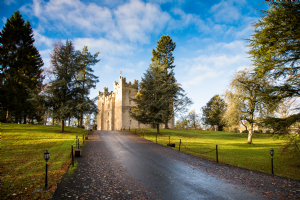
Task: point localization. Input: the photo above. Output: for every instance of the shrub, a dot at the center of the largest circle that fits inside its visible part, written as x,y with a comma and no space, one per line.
245,131
268,132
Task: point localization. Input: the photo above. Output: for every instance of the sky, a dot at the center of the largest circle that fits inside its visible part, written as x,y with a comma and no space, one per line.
209,35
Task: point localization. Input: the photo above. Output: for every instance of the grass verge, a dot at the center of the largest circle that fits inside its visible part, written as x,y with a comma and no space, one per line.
22,158
232,149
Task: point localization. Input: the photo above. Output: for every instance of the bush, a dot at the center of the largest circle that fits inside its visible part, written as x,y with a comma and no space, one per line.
268,132
245,131
292,147
257,131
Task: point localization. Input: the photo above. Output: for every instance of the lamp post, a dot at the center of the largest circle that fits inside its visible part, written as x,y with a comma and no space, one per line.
46,157
76,141
272,153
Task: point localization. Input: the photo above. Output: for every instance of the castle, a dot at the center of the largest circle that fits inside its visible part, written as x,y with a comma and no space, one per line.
114,107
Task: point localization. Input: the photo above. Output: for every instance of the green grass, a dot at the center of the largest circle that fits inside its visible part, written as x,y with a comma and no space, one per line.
22,158
232,149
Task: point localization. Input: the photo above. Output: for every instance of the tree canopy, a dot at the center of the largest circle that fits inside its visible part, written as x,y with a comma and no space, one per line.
244,100
21,68
86,80
275,51
213,111
154,96
63,88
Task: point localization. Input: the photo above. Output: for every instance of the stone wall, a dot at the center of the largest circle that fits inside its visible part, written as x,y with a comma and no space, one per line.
114,107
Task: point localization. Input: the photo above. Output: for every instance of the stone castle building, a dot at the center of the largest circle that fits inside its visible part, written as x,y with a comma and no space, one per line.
114,107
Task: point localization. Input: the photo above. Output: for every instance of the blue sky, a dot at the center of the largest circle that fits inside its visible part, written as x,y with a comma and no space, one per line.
208,35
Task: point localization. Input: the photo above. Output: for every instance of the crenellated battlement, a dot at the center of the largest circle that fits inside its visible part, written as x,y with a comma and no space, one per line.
105,94
123,83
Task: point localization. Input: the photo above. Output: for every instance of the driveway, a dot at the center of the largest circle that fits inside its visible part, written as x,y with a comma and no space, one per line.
121,165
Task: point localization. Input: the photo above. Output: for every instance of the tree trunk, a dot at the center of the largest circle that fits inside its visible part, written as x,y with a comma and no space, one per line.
25,119
8,116
69,120
81,119
62,125
157,128
167,125
52,121
250,134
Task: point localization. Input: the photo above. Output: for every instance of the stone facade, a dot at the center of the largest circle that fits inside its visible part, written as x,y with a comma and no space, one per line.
114,107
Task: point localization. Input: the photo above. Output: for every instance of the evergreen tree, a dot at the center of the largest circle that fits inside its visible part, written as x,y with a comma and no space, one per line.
86,80
163,53
275,52
213,111
152,100
62,90
21,68
163,57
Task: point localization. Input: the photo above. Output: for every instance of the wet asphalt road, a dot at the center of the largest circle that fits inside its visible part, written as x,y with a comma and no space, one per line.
166,177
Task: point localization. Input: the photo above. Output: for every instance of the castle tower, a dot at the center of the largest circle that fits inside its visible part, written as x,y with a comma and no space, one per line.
114,107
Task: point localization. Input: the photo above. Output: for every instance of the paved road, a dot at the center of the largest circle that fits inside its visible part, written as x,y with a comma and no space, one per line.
164,176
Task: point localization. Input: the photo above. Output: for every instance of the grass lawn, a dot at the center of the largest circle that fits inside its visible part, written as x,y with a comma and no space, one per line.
22,158
232,149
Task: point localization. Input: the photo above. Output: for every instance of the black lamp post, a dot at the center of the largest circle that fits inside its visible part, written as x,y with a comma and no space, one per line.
46,157
272,153
76,141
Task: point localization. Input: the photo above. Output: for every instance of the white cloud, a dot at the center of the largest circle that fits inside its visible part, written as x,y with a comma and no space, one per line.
142,64
134,21
41,39
217,61
4,19
8,2
137,19
107,69
186,20
71,15
104,46
226,11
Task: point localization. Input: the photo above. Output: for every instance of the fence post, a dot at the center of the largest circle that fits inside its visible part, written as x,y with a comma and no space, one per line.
217,153
72,155
179,144
156,137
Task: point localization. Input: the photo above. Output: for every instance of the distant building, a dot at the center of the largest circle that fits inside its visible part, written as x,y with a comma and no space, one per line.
114,107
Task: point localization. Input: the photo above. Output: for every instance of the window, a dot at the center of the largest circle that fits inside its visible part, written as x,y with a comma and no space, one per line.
108,114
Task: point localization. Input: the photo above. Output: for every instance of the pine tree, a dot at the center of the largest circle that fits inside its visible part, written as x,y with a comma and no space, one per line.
86,80
164,56
21,69
63,89
153,98
275,52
